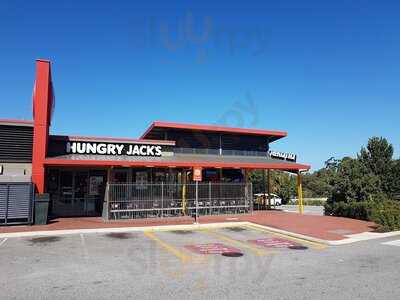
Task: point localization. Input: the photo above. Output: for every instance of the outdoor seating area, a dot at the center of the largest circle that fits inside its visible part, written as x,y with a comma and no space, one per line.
131,201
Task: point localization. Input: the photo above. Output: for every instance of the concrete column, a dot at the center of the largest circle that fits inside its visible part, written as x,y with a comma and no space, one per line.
109,175
104,213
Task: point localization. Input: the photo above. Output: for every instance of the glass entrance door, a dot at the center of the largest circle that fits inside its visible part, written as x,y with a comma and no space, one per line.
82,202
63,201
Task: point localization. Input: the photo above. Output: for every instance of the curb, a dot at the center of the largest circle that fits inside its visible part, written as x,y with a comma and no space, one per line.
292,234
121,229
193,226
364,236
350,239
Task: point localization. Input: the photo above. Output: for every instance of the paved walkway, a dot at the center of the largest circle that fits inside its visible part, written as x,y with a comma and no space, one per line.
321,227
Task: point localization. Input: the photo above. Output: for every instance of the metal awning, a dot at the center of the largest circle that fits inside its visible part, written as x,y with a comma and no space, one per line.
158,129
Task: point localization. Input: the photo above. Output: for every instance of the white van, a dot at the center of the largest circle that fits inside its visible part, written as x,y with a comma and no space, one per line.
275,199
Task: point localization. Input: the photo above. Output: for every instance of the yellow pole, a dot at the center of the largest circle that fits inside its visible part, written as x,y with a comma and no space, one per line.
184,204
269,188
300,192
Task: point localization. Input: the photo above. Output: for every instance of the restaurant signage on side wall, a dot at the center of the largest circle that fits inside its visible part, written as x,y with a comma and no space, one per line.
282,155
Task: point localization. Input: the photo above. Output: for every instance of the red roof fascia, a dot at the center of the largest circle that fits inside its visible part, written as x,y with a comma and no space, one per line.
214,128
275,166
111,139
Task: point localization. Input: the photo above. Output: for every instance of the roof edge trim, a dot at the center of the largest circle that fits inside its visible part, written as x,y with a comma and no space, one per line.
215,128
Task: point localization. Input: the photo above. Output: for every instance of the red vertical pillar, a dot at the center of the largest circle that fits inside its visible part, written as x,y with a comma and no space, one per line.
42,109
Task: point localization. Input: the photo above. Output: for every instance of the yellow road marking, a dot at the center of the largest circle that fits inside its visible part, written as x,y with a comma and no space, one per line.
314,245
257,251
182,256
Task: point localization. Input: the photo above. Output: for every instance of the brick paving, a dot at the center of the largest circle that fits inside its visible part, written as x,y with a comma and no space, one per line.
322,227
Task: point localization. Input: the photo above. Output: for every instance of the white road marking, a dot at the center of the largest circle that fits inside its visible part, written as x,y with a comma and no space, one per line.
85,251
3,241
392,243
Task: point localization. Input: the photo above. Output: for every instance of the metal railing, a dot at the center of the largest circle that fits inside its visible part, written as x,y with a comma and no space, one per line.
131,201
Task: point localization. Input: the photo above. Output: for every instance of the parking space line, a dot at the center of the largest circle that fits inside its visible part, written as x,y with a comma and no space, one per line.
179,254
85,251
313,245
392,243
256,250
3,241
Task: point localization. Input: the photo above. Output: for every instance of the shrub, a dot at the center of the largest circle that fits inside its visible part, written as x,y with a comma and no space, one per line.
387,215
355,210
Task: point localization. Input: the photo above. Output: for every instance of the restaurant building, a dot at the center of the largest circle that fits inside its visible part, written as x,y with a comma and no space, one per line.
77,170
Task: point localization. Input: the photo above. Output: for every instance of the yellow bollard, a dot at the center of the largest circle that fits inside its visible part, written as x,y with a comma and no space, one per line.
300,193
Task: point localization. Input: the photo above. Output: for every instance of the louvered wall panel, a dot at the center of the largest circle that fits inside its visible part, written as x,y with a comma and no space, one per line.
3,201
19,201
16,202
16,143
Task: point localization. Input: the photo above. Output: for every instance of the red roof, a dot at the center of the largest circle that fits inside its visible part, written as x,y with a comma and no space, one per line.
214,128
16,122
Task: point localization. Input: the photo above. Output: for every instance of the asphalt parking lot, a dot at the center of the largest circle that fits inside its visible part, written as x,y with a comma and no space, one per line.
236,262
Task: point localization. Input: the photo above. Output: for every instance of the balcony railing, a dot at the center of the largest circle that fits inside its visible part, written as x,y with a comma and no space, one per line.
208,151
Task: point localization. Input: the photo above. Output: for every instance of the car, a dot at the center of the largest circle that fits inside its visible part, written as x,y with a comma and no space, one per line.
275,199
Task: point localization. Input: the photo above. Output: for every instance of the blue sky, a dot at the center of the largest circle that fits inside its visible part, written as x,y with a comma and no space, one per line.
327,72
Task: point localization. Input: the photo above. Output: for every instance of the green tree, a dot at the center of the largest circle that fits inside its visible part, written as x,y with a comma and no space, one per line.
373,174
283,184
377,158
320,183
257,179
354,182
394,180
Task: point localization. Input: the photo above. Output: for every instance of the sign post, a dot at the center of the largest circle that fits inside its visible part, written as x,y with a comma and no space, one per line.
197,201
197,176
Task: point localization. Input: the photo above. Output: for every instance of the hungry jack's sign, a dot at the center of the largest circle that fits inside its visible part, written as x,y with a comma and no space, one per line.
113,149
